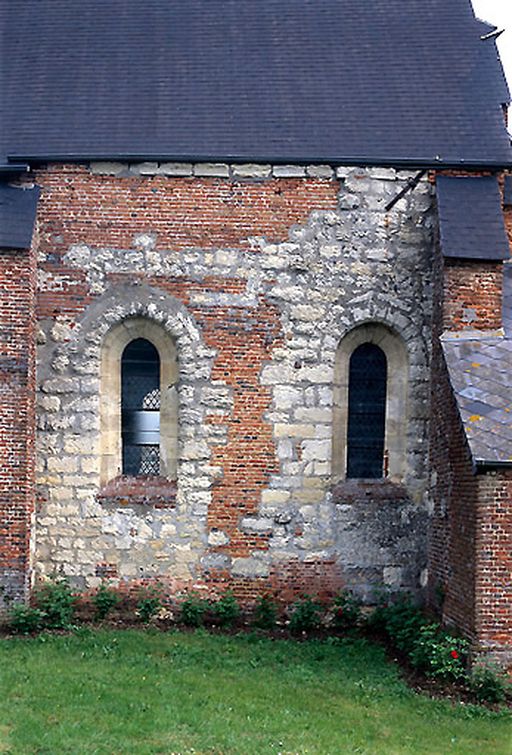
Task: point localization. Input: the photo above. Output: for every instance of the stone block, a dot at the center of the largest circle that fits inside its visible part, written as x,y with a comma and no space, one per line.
175,169
289,171
108,168
249,567
214,170
251,170
144,169
217,538
320,171
271,496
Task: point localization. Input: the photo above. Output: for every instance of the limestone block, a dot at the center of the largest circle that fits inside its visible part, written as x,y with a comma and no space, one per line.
249,567
220,170
392,575
289,171
286,396
307,312
320,171
294,430
63,464
271,496
107,168
251,170
316,450
144,169
256,525
217,538
313,414
175,169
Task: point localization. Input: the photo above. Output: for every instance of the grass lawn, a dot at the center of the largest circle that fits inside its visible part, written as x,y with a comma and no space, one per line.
151,692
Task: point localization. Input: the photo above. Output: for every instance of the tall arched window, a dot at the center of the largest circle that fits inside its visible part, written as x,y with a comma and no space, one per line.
140,408
370,406
366,412
139,401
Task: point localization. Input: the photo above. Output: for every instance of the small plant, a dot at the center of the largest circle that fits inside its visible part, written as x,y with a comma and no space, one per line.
148,603
105,600
489,683
439,654
25,619
346,611
193,610
306,615
226,610
265,613
56,601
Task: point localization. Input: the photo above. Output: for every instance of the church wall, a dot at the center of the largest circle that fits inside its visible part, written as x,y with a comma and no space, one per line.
257,274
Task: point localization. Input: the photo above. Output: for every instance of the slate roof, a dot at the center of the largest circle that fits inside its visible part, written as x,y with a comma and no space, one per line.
381,82
17,216
478,234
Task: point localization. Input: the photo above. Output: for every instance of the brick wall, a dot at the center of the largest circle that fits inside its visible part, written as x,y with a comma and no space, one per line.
472,295
17,420
454,492
494,564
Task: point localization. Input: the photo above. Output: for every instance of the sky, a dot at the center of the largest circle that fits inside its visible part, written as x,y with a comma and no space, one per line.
499,13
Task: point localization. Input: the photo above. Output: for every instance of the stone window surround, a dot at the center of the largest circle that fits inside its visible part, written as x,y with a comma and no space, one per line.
395,350
112,349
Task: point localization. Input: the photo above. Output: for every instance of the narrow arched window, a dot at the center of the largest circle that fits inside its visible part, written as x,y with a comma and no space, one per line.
140,408
366,412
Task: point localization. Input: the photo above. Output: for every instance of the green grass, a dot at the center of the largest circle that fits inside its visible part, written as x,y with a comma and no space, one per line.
150,692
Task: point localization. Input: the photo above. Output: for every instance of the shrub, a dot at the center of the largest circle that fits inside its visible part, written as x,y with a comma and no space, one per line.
25,619
148,604
104,600
265,613
489,683
439,654
226,610
193,610
56,601
346,611
401,621
306,615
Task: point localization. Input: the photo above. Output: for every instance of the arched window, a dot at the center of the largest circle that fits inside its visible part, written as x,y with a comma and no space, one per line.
140,408
370,405
139,401
366,412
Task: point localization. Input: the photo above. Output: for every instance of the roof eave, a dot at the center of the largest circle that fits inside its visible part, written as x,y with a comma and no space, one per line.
409,163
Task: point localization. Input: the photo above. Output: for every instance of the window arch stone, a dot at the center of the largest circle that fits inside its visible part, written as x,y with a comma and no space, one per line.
112,350
396,412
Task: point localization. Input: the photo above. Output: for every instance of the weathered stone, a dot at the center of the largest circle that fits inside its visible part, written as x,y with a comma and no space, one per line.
220,170
175,169
249,567
288,171
249,170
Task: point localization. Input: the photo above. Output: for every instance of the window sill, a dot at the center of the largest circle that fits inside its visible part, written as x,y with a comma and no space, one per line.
355,490
158,492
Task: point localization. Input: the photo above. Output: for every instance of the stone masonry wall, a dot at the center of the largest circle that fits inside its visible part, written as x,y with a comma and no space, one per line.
257,273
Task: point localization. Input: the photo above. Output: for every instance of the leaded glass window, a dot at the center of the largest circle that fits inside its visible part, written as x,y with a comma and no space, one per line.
140,408
366,412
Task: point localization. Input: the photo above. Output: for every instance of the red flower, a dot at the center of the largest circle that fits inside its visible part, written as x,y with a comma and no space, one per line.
454,654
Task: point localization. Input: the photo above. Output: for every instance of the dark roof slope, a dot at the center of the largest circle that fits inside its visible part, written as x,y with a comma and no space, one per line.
471,220
385,81
17,216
